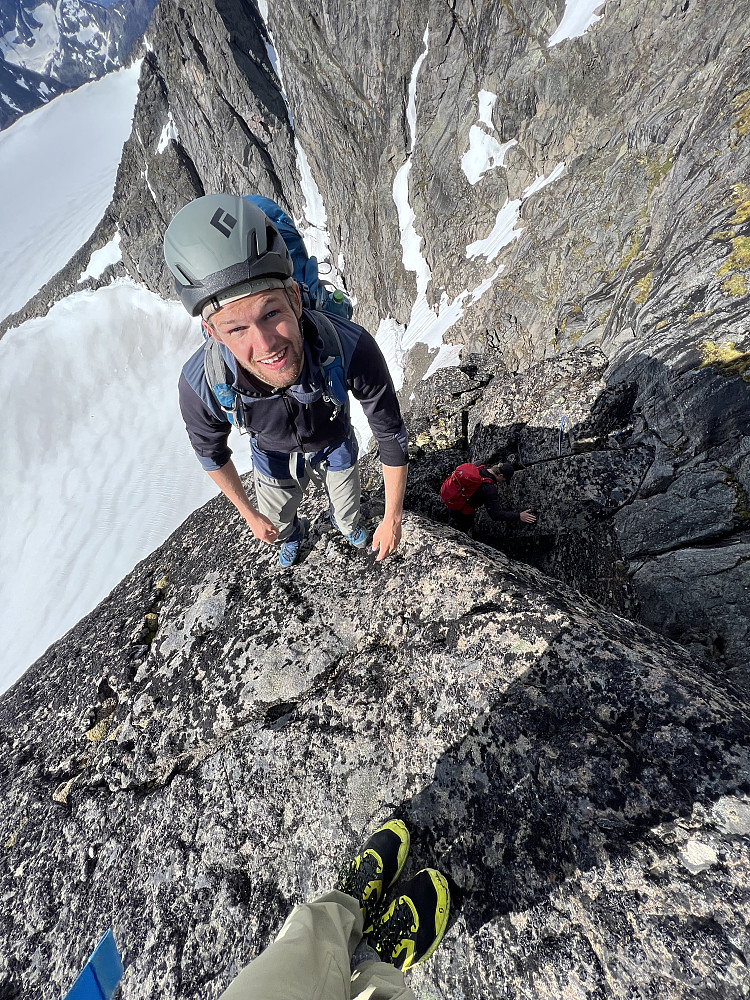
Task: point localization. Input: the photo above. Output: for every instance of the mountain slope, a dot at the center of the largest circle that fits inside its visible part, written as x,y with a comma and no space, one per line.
201,752
65,42
23,90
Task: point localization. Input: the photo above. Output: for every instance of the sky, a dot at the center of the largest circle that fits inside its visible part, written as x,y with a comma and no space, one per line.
97,468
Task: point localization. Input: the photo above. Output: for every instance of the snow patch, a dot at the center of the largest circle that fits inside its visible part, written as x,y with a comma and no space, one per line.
579,16
427,324
448,356
487,101
9,102
101,259
484,152
502,233
144,175
42,164
315,233
542,182
40,52
82,496
411,106
168,133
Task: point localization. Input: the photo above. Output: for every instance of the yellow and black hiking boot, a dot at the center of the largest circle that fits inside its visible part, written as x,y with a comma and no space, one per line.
374,870
413,922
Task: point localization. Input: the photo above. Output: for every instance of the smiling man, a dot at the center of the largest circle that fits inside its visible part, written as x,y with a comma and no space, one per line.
284,373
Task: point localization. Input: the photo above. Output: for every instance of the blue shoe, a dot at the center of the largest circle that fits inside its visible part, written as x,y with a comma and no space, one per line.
358,538
290,550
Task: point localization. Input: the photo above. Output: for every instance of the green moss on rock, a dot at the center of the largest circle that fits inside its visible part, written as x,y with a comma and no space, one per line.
642,289
741,106
736,285
725,359
739,258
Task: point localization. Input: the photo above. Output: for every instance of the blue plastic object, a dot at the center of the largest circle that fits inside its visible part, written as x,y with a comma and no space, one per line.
101,974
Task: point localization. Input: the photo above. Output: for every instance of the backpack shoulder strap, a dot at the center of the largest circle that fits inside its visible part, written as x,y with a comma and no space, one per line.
332,363
217,376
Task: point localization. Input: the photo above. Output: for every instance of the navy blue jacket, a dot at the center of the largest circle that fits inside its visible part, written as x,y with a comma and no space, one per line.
297,419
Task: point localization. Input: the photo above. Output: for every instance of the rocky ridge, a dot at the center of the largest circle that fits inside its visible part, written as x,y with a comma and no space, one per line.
200,751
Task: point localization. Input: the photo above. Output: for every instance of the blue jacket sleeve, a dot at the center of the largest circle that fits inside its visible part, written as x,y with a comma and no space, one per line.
370,382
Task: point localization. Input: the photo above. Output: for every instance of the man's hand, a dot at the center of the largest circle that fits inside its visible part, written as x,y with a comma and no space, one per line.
527,517
388,533
386,538
230,484
261,527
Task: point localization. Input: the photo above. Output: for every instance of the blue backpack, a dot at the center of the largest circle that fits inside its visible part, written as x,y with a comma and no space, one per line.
319,294
315,295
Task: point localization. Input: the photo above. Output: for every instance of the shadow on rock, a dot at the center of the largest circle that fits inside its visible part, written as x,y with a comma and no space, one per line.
577,762
639,475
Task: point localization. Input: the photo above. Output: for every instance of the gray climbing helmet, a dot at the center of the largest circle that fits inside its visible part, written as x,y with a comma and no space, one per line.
222,247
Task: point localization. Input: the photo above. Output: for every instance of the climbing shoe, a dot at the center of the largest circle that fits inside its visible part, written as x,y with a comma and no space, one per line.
412,924
374,870
290,550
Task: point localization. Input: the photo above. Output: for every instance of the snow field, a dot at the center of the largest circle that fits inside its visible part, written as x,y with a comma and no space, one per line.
579,16
57,174
97,468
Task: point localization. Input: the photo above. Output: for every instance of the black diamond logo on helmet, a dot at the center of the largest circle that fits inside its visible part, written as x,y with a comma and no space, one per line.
224,222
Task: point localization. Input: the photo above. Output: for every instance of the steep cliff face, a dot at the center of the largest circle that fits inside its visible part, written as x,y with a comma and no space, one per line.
638,249
624,515
202,750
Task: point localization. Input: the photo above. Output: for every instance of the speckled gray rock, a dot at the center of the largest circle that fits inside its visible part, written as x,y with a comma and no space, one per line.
200,751
640,492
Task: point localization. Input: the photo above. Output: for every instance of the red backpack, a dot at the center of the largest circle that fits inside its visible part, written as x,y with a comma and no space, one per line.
461,485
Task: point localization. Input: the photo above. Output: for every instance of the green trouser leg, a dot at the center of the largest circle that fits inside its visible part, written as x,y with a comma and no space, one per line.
309,960
278,499
343,489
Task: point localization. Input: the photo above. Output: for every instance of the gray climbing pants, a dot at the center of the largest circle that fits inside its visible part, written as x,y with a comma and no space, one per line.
309,960
279,497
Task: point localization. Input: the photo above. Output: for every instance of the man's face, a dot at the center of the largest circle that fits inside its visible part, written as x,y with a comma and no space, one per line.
262,332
